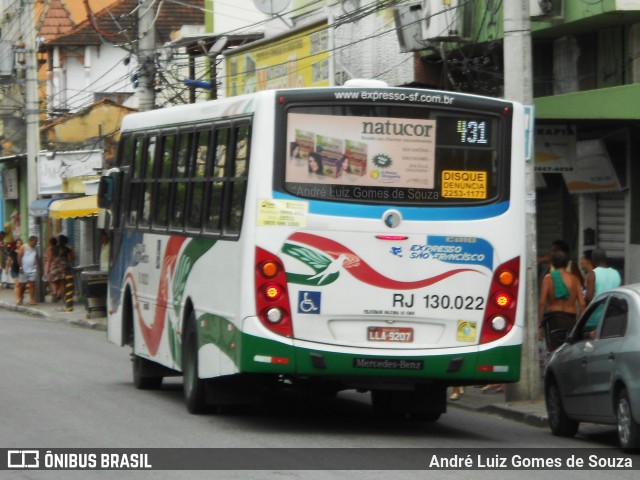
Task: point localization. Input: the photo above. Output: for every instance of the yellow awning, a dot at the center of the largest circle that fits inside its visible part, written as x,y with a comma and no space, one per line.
86,206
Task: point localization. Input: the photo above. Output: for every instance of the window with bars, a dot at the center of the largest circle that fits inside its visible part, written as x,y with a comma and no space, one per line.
188,179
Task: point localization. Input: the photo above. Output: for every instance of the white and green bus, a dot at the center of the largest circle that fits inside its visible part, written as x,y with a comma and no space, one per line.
358,237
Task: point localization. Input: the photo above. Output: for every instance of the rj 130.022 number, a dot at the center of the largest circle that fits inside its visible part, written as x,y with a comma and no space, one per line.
454,303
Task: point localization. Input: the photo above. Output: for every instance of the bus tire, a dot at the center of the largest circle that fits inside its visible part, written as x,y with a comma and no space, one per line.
194,388
145,376
142,378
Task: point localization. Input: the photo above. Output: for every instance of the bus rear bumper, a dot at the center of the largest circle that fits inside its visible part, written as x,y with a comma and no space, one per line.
500,364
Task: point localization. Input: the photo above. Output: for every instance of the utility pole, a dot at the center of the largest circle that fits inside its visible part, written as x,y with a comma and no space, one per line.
146,54
518,74
31,110
32,125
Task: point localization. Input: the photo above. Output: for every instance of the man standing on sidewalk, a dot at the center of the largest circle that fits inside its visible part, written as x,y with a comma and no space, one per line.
28,261
602,277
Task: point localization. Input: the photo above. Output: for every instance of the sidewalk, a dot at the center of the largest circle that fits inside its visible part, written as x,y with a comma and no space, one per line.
54,311
530,412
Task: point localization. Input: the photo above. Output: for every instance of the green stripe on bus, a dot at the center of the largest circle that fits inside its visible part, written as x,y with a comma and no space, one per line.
500,364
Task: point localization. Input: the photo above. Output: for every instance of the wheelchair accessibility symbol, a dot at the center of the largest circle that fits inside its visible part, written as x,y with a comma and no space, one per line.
309,302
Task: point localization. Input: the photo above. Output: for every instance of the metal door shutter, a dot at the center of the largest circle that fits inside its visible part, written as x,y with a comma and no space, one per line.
548,218
611,221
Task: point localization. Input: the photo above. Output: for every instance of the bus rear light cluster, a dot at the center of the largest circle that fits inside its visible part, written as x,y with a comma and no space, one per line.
502,300
272,291
499,323
500,315
272,297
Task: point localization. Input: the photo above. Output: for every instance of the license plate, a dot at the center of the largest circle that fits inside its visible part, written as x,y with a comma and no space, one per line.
390,334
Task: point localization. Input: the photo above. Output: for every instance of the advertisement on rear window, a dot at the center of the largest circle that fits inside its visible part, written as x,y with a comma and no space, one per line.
360,152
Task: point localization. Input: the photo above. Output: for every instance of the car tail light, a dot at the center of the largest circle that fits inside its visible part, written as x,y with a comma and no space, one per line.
500,315
272,297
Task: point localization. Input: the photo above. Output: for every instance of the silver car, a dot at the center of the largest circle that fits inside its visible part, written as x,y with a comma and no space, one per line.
595,375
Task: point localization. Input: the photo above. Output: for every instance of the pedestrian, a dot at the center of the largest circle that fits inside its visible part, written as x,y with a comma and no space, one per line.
28,261
14,269
104,251
3,246
6,266
53,271
66,256
561,301
547,265
586,265
602,277
456,393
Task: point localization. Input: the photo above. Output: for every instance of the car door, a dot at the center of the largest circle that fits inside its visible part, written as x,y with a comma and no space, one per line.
603,360
571,360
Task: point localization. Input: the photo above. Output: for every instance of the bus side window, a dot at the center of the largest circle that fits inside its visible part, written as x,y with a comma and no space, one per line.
125,153
212,215
161,209
181,172
238,183
148,182
136,167
136,192
198,181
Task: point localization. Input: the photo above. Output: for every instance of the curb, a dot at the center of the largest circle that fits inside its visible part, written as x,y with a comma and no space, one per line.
532,413
93,324
23,309
507,411
530,418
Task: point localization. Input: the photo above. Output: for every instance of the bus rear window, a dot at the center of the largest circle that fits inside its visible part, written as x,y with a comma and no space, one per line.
401,156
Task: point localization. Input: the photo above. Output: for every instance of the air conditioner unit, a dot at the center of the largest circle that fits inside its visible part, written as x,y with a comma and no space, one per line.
441,20
545,9
408,18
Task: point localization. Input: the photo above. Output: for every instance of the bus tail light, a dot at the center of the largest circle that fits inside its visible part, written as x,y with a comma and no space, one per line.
272,297
500,315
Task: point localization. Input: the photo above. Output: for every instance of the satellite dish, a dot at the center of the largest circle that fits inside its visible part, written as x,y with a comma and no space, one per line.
217,47
271,7
350,6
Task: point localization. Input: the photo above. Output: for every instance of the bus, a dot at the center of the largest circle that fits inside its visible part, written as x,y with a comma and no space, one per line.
358,237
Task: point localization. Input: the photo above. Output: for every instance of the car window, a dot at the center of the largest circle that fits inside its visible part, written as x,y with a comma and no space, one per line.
589,321
614,323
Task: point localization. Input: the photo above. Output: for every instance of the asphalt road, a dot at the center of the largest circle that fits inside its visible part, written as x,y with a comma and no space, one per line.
66,387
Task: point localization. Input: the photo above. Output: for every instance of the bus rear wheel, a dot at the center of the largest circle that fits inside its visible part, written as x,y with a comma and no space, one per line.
194,388
142,378
145,373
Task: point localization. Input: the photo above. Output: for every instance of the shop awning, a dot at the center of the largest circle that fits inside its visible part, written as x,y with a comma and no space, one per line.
86,206
40,207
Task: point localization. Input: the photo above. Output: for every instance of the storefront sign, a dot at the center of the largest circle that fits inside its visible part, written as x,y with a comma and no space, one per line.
594,171
10,186
54,170
555,149
300,59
